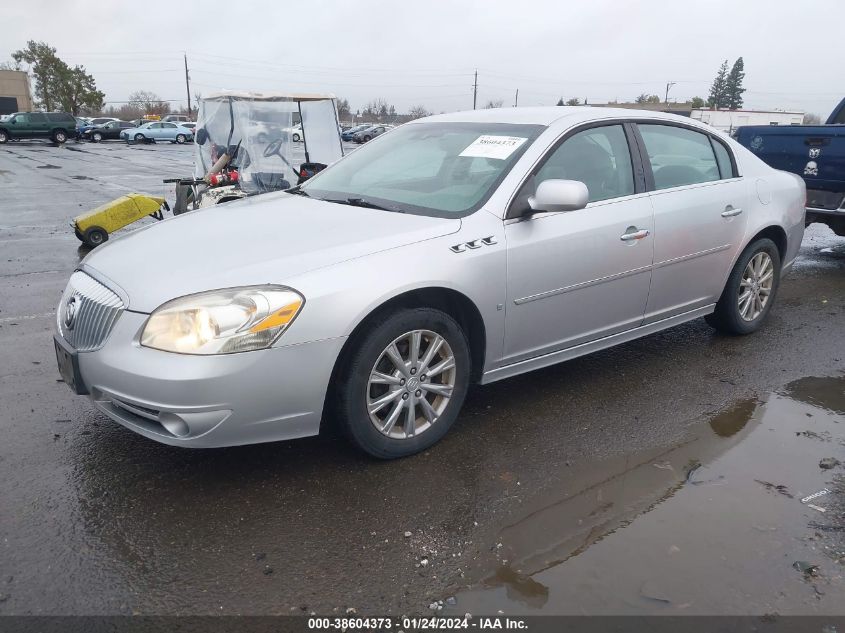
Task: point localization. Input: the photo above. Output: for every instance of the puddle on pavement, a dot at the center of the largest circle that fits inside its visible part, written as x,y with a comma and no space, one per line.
48,166
711,524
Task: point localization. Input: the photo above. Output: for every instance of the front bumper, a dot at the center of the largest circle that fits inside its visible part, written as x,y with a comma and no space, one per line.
209,401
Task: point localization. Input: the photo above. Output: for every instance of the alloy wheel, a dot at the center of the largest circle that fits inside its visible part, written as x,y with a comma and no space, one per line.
755,287
411,384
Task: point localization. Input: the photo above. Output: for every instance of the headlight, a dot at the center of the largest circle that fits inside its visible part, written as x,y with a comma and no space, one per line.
222,321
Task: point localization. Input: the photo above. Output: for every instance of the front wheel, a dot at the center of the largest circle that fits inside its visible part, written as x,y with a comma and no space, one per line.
139,138
96,137
750,291
95,236
4,137
404,382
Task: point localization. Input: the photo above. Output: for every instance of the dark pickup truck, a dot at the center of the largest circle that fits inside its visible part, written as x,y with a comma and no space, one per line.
814,152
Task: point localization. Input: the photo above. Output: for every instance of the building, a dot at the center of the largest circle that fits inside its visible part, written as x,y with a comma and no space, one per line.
15,95
729,120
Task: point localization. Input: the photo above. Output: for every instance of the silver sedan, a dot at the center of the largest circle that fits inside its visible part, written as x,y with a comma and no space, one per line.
460,248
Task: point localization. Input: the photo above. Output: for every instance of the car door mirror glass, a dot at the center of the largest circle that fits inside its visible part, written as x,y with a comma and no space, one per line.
555,195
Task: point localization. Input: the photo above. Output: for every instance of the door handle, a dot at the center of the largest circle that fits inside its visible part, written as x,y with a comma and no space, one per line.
730,211
633,234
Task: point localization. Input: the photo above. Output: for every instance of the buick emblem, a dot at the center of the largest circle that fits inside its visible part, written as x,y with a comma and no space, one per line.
70,312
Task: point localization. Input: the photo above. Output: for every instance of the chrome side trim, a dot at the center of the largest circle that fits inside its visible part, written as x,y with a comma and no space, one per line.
683,258
514,369
583,284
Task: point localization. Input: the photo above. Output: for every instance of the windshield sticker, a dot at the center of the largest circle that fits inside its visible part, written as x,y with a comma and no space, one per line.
488,146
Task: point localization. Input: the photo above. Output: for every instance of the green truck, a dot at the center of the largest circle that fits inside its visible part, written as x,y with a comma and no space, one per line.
56,126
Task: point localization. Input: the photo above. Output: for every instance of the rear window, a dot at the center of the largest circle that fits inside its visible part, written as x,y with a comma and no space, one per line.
723,158
60,117
678,156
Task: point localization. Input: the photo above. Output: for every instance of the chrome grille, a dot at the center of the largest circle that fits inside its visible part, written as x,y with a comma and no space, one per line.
87,312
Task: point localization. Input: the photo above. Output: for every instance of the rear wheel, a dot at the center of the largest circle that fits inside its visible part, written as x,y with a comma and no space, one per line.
59,136
750,291
96,137
180,138
95,236
404,382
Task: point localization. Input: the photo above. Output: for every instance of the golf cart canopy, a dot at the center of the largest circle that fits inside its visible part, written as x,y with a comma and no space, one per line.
273,133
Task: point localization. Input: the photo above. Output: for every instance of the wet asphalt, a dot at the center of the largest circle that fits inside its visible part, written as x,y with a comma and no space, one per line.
535,502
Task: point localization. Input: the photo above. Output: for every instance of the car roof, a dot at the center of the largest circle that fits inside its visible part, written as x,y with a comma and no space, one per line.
547,115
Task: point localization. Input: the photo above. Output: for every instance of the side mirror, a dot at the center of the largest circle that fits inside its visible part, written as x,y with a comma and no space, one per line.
559,195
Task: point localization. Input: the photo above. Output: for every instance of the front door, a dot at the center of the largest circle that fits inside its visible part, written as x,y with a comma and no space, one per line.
581,275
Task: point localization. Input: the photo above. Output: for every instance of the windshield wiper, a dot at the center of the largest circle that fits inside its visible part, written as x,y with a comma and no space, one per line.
299,191
363,202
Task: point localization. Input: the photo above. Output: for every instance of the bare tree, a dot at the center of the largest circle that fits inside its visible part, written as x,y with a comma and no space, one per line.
495,103
573,101
148,102
811,118
418,112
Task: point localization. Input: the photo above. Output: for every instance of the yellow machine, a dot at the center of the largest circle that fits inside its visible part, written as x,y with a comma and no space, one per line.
93,227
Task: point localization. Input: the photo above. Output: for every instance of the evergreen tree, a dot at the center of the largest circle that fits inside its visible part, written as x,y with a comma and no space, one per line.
717,98
733,85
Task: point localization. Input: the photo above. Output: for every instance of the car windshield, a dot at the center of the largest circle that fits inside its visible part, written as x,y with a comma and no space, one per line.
446,169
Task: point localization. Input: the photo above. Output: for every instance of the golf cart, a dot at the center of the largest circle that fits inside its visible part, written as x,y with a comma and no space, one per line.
249,143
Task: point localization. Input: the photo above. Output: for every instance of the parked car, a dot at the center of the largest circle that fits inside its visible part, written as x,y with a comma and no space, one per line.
370,133
468,247
191,125
347,135
57,126
158,131
294,132
814,152
176,118
107,131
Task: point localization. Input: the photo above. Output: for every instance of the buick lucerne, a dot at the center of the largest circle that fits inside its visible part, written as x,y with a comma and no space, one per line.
459,248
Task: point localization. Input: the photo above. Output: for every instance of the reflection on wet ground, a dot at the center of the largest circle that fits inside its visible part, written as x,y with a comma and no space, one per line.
715,523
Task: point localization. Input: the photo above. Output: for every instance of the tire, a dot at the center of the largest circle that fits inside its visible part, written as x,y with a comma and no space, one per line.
296,138
366,138
732,316
96,137
140,138
354,391
4,137
95,236
59,136
181,138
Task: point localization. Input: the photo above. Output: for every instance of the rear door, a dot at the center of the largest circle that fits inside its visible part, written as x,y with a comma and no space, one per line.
699,202
39,125
168,131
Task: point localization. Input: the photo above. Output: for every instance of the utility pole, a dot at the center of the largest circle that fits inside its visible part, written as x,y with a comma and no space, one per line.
187,85
668,85
516,98
475,90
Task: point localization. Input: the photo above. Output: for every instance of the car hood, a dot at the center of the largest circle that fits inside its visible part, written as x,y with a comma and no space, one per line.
265,239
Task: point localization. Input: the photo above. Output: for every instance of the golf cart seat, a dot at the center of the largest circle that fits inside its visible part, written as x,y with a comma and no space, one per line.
265,182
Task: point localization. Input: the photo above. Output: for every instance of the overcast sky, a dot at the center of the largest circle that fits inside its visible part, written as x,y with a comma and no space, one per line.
425,53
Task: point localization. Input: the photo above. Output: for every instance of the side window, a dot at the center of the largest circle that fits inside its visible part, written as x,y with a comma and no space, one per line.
37,117
678,156
21,118
155,126
168,125
599,157
723,158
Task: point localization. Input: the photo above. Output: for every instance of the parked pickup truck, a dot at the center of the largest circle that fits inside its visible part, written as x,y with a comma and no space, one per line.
814,152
